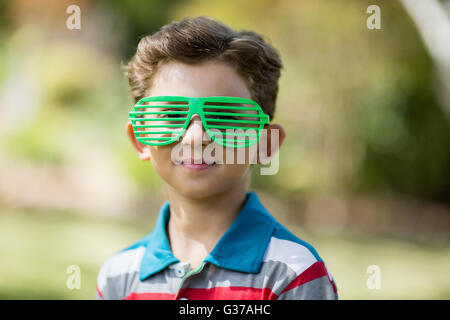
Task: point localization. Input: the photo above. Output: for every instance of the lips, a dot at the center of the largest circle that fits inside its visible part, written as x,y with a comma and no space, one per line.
196,165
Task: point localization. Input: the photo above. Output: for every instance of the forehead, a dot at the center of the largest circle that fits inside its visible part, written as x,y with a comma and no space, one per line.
212,78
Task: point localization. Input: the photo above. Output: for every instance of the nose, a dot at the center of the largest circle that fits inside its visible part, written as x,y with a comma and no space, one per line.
194,131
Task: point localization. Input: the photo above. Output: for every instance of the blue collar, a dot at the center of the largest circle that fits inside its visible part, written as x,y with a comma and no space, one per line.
241,248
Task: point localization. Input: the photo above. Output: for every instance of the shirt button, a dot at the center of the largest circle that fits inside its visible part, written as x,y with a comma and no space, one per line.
179,271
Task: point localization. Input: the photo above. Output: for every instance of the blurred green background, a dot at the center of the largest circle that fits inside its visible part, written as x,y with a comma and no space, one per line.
364,172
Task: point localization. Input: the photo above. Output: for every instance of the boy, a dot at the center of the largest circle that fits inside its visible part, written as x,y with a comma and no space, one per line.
212,239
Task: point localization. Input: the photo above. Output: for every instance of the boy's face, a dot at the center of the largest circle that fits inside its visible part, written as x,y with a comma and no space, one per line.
211,78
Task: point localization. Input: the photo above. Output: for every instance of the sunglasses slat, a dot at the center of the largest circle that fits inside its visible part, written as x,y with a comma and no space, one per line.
236,145
158,119
165,125
164,99
165,106
235,134
143,126
235,121
218,126
158,112
160,138
210,106
232,114
236,139
157,132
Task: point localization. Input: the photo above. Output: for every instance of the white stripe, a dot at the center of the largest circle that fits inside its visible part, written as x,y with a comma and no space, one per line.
122,262
296,256
329,274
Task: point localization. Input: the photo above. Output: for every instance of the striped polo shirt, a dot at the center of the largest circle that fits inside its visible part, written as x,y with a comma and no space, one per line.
256,259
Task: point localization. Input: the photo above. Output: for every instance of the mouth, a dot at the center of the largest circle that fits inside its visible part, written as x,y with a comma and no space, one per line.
196,165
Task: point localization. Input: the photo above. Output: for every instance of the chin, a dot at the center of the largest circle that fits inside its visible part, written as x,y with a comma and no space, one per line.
200,191
199,185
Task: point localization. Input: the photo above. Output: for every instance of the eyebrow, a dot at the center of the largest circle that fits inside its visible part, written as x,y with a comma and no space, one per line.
164,102
175,102
159,105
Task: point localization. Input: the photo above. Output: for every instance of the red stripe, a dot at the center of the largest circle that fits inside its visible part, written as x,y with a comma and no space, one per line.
334,286
315,271
149,296
99,292
227,293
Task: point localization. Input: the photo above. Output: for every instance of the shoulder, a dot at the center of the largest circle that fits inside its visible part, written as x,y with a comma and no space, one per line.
299,263
286,247
120,269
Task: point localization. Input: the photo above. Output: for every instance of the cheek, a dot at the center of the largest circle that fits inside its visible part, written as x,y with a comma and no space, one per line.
234,172
160,158
237,156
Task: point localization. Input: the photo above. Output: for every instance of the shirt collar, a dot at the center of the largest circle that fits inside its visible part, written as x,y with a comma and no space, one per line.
241,248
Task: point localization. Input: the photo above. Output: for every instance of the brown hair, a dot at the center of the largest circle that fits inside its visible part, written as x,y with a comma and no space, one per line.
200,39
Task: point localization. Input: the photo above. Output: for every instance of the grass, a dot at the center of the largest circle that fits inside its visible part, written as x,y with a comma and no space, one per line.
408,270
37,248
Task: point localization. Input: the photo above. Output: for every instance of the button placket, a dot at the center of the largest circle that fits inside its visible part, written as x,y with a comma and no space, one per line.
179,271
185,277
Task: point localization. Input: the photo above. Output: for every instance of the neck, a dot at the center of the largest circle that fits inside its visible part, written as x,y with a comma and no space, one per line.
196,224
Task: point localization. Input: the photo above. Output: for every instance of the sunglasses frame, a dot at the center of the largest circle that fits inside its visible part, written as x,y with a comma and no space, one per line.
197,106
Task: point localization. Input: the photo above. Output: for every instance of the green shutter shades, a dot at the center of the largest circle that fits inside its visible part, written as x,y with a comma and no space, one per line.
229,121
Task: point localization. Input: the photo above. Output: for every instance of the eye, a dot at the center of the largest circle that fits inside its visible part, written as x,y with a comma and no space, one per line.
170,116
222,117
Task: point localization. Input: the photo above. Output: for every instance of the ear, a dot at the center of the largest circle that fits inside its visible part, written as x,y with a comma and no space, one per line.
271,147
142,150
